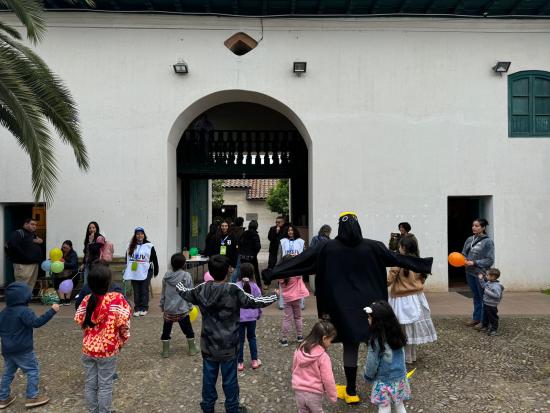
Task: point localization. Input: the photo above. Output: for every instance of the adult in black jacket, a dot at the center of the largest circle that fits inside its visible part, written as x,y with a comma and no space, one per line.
351,275
249,247
211,242
226,244
275,234
25,252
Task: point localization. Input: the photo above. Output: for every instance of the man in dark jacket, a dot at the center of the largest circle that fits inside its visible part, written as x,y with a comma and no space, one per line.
351,275
17,322
274,236
25,251
220,303
249,247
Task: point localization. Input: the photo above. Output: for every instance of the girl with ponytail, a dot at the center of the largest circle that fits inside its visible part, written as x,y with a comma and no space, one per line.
249,316
104,318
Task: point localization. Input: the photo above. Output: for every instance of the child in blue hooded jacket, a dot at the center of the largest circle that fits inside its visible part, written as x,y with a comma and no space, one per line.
17,322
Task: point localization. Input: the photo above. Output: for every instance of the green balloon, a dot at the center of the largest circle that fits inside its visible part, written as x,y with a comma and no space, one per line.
57,267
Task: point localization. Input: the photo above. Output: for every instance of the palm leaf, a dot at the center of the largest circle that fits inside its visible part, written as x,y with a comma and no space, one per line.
29,12
54,100
22,116
10,30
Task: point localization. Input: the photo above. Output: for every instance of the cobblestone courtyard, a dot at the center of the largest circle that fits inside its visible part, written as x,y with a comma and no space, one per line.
465,371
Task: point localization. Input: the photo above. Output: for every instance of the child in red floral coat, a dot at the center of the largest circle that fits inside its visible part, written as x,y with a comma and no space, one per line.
105,318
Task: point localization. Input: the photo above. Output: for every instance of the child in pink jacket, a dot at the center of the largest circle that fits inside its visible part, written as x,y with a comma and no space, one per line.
312,370
293,291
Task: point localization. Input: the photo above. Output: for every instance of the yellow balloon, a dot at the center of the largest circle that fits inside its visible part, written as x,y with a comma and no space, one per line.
410,373
55,254
193,313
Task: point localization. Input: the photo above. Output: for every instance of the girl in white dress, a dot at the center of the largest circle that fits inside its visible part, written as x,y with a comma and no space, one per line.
409,302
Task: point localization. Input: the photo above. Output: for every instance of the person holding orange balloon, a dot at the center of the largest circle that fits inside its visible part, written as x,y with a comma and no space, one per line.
479,253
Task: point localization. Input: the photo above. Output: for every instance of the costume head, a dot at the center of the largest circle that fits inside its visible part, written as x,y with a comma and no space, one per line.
349,231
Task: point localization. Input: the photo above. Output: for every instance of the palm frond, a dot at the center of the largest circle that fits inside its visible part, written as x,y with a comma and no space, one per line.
32,133
30,13
55,101
10,30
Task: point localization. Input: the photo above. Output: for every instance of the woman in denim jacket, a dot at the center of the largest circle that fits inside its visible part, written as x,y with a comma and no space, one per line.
385,367
479,251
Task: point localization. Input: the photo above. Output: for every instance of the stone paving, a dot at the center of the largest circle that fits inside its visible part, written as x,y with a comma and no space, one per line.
465,371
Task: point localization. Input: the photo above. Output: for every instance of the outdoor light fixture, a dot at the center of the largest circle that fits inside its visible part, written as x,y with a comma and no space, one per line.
299,67
501,67
181,68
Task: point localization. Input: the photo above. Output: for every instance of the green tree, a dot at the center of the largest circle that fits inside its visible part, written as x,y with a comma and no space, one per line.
277,198
32,98
217,193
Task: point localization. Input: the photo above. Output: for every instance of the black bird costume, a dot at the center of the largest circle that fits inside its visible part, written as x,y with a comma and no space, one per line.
351,275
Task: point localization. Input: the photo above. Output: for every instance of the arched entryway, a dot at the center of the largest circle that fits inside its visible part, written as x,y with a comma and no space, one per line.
233,135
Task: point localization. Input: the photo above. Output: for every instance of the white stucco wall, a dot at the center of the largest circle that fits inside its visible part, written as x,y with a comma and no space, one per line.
266,218
398,114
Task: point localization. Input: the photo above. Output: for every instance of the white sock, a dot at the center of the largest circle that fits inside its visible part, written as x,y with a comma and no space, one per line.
400,408
386,409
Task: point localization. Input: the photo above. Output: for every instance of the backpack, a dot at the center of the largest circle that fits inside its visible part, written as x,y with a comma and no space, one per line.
8,247
106,252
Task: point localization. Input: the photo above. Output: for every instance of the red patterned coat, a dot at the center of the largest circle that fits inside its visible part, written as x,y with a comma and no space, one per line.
112,325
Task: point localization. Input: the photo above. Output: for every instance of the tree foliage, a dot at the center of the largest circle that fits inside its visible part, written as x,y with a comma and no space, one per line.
32,98
277,198
217,193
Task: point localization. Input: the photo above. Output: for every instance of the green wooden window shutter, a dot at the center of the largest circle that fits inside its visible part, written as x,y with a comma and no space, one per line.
529,104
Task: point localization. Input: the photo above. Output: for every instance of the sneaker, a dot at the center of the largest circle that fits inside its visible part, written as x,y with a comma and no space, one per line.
6,402
482,329
256,363
67,302
240,366
283,342
143,313
137,313
243,409
299,339
492,333
472,323
37,401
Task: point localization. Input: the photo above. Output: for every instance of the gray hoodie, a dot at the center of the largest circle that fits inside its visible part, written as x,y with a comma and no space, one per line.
481,250
492,292
170,300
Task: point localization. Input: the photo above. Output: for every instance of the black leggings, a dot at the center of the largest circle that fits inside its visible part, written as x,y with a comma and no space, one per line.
185,325
141,294
351,354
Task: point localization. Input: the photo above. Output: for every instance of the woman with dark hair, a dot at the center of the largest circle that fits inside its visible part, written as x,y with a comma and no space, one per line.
142,263
226,244
404,231
104,317
93,241
249,247
479,251
69,270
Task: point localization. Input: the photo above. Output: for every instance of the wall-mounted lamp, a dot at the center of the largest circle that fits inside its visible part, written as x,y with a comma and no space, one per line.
181,68
501,67
299,67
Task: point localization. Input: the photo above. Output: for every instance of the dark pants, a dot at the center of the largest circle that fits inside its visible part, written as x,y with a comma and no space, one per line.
141,294
490,319
254,261
230,385
185,325
248,329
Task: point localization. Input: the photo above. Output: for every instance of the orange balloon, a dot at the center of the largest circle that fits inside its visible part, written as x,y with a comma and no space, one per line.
456,259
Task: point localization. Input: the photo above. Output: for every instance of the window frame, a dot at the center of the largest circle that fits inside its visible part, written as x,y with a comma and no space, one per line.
526,74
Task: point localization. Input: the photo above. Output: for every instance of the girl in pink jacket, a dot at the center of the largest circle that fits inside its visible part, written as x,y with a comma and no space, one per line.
293,290
312,370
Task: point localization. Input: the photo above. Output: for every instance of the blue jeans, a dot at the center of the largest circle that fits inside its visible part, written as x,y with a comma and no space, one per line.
477,291
235,275
248,328
29,365
230,385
